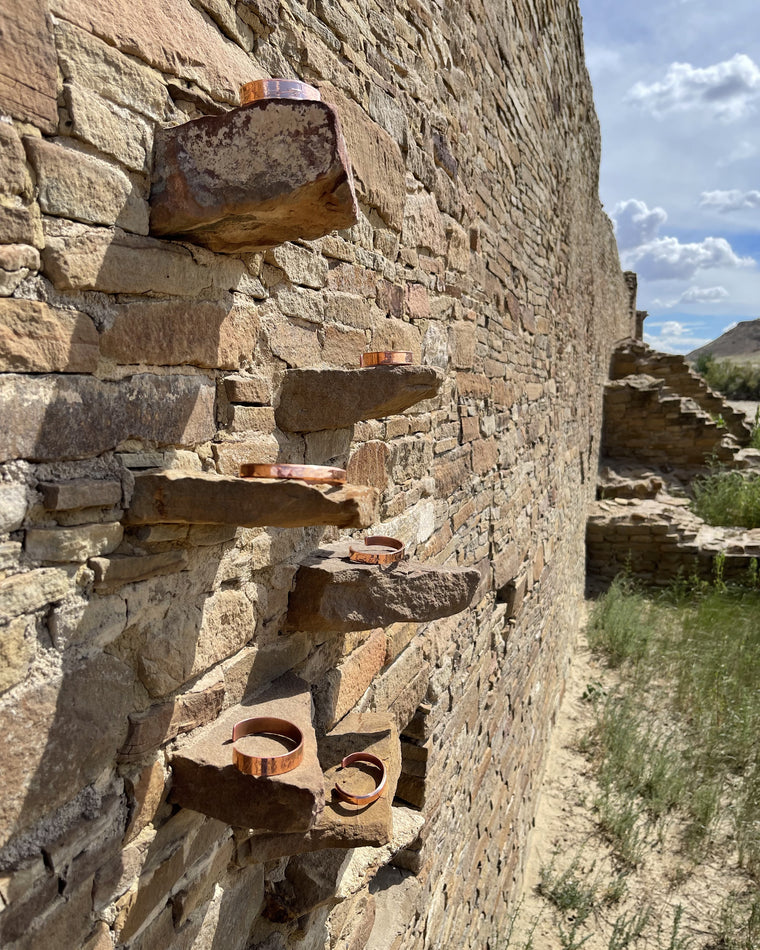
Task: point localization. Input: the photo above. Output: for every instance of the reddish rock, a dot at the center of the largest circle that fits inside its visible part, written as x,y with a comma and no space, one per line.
38,338
269,172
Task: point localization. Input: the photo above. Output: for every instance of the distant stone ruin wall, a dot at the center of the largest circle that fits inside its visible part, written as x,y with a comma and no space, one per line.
482,248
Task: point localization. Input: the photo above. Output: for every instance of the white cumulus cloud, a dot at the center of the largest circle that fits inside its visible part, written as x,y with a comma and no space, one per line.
728,89
695,295
733,200
672,337
667,258
635,223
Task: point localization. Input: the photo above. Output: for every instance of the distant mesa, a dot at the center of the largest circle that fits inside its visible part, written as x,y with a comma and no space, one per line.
742,342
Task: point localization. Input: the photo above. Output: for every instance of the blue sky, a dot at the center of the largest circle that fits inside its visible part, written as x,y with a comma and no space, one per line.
677,90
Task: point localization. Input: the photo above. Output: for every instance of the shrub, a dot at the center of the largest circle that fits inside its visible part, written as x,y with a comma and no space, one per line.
727,498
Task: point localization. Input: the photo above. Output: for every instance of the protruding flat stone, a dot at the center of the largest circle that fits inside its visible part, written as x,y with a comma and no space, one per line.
336,595
203,498
342,825
269,172
206,780
313,399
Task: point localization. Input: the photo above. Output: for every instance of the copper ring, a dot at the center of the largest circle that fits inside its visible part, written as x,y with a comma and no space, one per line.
318,474
386,358
277,89
370,796
267,764
378,557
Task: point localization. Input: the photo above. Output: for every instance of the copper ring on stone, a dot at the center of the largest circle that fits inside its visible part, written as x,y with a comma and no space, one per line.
388,550
318,474
386,358
267,764
278,89
369,796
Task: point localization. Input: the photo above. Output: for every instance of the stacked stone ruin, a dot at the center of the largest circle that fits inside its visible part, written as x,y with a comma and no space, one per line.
148,597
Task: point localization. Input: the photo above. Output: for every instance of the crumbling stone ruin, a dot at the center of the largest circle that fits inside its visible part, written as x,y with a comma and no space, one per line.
176,303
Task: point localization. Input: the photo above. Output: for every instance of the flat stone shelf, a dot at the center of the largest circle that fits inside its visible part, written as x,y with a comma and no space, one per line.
333,594
167,497
269,172
314,399
205,779
340,824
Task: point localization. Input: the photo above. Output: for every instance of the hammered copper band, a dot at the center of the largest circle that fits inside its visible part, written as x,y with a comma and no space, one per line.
370,796
318,474
269,764
386,358
277,89
378,557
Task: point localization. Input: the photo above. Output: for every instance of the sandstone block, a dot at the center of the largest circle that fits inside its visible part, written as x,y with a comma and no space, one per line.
13,179
80,493
59,736
423,226
333,594
113,572
12,505
20,224
16,652
73,184
332,399
345,684
269,172
65,417
25,593
113,130
29,52
229,455
78,257
300,265
38,338
254,390
17,261
206,780
145,794
377,160
171,333
343,347
294,343
175,496
370,465
72,544
174,38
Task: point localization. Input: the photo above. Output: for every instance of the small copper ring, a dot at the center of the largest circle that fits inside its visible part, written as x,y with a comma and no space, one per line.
267,764
378,557
386,358
277,89
318,474
370,796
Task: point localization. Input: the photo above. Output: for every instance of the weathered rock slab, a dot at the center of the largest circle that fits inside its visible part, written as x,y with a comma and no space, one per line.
334,594
313,399
206,780
269,172
202,498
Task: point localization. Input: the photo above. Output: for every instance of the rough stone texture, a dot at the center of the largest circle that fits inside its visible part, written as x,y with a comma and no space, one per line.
218,499
206,780
72,544
312,399
37,338
272,171
481,246
69,417
334,594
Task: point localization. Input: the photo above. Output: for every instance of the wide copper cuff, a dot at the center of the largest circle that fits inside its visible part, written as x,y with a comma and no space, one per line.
277,89
386,358
267,764
379,787
318,474
377,549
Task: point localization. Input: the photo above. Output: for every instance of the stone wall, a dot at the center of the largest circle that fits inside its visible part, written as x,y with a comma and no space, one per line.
481,247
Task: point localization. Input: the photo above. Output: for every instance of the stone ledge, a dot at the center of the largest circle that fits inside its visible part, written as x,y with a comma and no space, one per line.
205,779
269,172
313,399
202,498
341,825
333,594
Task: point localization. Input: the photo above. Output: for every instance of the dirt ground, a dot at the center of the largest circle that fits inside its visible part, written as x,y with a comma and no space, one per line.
566,836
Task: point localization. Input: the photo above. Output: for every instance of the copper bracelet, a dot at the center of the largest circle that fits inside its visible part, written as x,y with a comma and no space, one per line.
382,555
318,474
277,89
386,358
267,764
370,796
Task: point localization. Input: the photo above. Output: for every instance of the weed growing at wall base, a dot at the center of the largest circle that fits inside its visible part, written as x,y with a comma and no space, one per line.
728,498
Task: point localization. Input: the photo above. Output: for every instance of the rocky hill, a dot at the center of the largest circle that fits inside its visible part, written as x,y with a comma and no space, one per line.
743,341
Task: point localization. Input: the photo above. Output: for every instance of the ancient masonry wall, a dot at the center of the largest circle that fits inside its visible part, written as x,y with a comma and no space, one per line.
480,246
